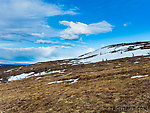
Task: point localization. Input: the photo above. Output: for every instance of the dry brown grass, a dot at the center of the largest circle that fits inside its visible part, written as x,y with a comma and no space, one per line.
103,87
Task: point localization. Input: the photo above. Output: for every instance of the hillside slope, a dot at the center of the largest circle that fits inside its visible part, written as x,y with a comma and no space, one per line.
117,51
69,86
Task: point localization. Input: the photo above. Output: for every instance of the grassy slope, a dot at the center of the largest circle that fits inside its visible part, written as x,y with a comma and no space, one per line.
104,87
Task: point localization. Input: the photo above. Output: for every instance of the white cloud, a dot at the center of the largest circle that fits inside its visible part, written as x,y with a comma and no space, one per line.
74,30
127,24
26,53
39,54
124,25
38,34
28,17
5,44
30,9
68,44
64,45
46,42
33,54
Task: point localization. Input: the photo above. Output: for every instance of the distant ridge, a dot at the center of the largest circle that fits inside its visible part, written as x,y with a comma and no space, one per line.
10,65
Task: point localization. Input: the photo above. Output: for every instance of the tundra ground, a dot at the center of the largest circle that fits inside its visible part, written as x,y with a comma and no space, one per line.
115,86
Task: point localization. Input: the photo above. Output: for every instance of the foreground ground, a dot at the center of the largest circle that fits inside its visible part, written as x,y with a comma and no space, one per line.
116,86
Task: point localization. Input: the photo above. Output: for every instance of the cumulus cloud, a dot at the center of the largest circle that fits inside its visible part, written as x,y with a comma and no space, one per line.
74,30
19,18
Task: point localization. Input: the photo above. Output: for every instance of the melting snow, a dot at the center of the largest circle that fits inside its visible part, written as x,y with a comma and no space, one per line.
55,82
21,76
139,76
110,53
70,80
20,67
1,80
72,63
147,57
74,81
10,70
27,75
136,62
66,74
38,78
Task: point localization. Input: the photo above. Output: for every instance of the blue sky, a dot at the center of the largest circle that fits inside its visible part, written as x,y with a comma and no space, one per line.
42,30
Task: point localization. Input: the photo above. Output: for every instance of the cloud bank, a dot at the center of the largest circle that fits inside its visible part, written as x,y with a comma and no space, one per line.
33,55
26,54
74,30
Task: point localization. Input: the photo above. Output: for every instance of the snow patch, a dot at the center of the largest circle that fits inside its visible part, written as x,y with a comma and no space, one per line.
10,70
21,76
139,76
111,53
136,62
66,74
74,81
31,74
55,82
38,78
70,80
147,57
